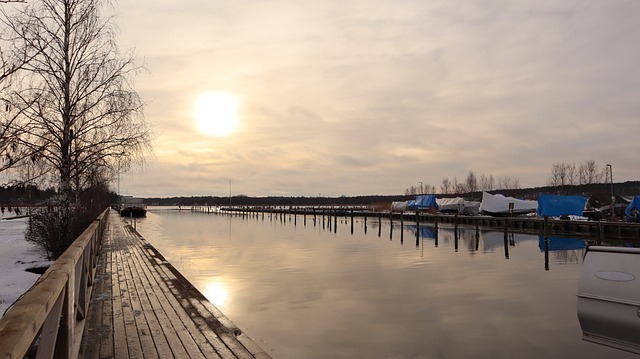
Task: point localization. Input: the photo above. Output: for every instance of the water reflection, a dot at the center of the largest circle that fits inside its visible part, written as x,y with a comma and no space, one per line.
216,293
304,291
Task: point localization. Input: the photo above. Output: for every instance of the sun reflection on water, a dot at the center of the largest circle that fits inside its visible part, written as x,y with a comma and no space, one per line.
216,293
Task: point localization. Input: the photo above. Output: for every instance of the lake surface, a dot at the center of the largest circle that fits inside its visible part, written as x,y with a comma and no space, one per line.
308,291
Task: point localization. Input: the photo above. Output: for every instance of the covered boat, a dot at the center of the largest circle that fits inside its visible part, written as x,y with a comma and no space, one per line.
133,207
632,212
399,206
550,205
471,207
425,202
450,205
458,205
499,205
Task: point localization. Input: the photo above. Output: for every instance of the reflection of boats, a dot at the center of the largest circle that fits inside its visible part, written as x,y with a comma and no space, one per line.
425,232
561,244
133,207
609,299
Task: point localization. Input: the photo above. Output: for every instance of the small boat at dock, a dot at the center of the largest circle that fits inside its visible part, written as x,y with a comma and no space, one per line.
133,207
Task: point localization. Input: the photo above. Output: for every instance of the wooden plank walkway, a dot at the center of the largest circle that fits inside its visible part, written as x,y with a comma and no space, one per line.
142,307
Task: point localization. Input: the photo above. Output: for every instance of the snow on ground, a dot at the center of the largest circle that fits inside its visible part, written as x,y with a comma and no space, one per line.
16,255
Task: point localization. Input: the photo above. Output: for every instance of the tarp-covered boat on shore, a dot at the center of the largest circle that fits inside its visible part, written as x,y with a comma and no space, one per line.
499,205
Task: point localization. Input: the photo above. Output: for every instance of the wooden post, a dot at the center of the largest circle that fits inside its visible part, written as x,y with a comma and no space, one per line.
417,226
436,239
506,244
365,224
546,253
323,214
352,221
455,239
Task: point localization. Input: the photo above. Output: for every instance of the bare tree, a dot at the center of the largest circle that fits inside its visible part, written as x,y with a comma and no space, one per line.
422,189
458,188
515,183
572,174
77,107
589,173
558,175
446,187
506,182
486,183
429,189
13,58
471,182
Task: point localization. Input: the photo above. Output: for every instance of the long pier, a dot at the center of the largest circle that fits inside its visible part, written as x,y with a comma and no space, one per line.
143,307
594,230
113,295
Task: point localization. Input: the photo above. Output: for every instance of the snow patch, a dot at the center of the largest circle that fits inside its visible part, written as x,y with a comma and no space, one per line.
16,256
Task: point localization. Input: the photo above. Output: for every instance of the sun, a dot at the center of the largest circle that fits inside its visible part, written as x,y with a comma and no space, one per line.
216,113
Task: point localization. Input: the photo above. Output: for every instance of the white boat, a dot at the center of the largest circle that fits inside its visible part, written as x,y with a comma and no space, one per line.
399,206
499,205
608,297
458,205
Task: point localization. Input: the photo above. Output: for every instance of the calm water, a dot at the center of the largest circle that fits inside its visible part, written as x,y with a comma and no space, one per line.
307,292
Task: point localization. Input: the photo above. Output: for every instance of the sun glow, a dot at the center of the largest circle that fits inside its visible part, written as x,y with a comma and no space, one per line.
216,113
216,293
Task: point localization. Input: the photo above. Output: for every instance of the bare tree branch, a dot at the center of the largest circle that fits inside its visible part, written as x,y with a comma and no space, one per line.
78,112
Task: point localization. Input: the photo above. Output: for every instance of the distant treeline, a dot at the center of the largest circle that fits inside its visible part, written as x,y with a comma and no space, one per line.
242,200
629,188
24,194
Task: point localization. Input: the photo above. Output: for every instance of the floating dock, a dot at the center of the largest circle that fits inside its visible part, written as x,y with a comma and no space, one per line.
597,231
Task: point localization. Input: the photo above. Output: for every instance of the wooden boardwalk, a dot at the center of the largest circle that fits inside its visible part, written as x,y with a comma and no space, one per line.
142,307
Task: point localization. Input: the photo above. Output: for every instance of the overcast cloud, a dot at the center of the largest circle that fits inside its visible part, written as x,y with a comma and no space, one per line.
371,97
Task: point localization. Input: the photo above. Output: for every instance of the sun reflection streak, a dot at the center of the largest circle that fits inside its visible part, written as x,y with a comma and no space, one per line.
216,293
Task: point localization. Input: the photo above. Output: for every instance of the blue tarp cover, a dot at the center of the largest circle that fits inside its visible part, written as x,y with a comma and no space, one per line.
426,201
554,205
411,204
635,204
561,244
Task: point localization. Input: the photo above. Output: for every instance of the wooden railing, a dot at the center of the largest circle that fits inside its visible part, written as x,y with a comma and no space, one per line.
48,321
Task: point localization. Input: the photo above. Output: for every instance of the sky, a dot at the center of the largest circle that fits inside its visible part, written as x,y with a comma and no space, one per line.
372,97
